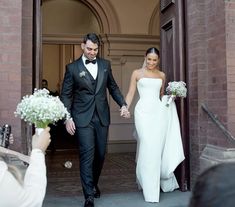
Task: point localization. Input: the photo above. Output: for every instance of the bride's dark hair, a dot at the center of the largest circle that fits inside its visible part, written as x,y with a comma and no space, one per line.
153,50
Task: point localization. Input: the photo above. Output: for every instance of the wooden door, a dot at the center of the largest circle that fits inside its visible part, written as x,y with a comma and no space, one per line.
173,64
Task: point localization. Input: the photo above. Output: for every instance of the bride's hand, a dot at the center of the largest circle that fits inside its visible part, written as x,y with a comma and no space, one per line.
124,112
127,115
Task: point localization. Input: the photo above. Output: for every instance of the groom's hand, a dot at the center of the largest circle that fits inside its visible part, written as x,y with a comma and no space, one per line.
70,126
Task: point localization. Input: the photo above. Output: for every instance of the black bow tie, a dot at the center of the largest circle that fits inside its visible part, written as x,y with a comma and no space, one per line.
90,61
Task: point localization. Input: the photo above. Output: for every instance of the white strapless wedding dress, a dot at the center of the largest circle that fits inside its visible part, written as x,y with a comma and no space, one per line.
159,144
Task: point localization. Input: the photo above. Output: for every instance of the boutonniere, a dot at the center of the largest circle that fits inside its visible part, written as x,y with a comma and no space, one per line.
82,74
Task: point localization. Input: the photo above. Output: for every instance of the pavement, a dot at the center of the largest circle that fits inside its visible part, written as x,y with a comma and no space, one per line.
130,199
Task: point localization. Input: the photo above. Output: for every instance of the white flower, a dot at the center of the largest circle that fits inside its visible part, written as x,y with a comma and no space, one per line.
176,89
81,74
41,109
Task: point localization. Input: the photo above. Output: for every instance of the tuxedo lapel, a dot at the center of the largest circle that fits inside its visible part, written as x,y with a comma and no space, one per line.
100,75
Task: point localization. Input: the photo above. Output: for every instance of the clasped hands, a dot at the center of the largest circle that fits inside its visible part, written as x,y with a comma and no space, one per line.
70,125
124,112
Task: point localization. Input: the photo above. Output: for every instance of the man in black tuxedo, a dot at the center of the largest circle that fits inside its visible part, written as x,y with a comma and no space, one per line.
84,94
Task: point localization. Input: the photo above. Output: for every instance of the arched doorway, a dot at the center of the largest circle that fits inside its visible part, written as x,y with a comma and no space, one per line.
61,39
65,46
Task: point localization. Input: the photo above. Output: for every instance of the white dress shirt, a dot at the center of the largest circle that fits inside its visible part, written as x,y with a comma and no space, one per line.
92,68
32,192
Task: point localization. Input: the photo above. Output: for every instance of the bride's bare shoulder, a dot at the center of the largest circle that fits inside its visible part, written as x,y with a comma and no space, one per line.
162,74
137,73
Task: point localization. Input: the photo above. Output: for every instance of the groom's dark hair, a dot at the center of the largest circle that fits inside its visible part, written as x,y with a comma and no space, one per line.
92,37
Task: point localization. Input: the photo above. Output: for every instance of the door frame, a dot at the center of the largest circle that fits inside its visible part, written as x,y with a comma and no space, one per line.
182,105
172,18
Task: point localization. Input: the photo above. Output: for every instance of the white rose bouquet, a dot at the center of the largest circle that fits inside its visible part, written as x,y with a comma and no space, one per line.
41,109
176,89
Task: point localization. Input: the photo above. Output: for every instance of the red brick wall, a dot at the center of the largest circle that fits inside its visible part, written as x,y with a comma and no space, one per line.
196,58
217,70
27,59
230,58
15,62
10,62
208,71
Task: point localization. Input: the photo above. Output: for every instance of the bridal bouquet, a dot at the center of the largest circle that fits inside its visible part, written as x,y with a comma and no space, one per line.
41,109
176,89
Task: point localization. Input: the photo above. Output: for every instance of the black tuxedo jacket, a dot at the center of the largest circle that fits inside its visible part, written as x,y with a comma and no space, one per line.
80,96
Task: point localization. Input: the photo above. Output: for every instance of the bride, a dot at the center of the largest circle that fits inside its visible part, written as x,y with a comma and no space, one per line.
159,145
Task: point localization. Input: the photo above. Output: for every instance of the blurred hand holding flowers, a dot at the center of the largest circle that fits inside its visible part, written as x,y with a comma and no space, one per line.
41,109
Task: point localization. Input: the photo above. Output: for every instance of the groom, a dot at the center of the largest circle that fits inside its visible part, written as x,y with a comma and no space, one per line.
84,95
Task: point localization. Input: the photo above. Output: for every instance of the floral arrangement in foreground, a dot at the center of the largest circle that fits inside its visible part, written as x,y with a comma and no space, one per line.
176,89
41,109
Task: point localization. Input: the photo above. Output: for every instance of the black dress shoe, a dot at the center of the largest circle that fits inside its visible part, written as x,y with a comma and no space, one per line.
89,202
96,192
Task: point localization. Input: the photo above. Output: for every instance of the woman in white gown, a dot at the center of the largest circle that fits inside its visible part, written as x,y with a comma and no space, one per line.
159,145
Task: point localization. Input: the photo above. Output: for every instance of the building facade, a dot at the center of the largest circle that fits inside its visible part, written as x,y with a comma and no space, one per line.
196,38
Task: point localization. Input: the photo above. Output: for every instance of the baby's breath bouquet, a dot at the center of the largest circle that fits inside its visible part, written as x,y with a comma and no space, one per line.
176,89
41,109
